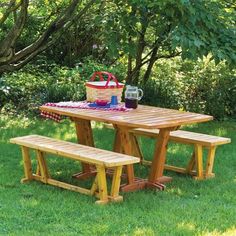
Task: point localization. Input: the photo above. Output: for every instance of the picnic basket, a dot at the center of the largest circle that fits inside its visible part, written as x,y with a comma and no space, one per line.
103,89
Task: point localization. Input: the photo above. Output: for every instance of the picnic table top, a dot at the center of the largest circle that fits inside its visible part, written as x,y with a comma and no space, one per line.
148,117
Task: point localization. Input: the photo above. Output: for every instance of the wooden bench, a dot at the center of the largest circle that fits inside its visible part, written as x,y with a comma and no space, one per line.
200,141
102,159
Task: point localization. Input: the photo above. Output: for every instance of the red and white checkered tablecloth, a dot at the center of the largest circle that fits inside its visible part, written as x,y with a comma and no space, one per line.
80,105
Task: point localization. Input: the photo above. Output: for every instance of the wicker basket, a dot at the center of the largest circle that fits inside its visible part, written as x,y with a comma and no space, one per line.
103,90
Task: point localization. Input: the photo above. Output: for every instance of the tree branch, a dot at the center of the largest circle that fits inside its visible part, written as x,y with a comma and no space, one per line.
174,54
8,43
13,67
12,7
61,22
57,27
43,39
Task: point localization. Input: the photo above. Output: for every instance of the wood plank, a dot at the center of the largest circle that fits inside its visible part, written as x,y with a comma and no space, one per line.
94,187
191,163
117,142
126,146
85,137
210,161
42,166
175,169
199,161
27,163
110,158
159,158
102,184
128,118
116,182
68,186
187,137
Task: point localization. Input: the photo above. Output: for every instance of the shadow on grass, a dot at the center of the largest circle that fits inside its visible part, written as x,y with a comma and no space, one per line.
186,207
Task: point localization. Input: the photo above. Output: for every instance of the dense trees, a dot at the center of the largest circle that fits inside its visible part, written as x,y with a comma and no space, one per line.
57,18
145,31
135,32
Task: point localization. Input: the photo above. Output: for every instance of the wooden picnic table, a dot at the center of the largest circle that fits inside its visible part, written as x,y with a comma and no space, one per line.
146,117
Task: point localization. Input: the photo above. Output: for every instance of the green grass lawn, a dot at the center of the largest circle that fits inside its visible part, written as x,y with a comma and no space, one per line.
186,207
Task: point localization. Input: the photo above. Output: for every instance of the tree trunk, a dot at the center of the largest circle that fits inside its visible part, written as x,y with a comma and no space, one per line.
141,46
129,68
150,65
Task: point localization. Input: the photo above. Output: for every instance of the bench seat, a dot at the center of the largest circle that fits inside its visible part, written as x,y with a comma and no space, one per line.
102,159
198,140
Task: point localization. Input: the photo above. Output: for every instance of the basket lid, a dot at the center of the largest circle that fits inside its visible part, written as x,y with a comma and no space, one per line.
103,84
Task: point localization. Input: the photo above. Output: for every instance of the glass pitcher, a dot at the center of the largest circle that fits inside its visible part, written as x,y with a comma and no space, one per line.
132,96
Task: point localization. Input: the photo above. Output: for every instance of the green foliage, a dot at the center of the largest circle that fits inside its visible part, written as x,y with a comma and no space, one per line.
204,27
196,28
89,66
198,87
25,90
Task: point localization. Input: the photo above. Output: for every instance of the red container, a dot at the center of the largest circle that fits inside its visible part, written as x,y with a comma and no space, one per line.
100,102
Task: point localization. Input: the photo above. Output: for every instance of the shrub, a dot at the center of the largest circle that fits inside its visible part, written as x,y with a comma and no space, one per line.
27,89
198,87
89,66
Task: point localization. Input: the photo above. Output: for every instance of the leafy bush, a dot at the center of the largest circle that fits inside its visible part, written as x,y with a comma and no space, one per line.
89,66
37,84
198,87
27,89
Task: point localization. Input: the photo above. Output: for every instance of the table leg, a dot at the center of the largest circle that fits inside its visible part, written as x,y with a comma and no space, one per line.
84,136
156,178
117,141
125,142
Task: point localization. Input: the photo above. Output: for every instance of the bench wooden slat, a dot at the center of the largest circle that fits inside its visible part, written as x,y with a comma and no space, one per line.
199,141
77,151
101,159
182,136
185,137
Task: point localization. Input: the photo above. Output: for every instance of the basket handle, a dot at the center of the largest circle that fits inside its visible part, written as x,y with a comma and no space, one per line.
110,77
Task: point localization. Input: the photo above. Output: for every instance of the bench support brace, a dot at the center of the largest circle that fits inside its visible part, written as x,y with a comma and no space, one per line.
99,186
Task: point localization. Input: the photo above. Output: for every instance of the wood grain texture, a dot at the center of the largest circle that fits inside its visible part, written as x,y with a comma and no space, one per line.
159,158
85,137
100,158
77,152
143,117
27,164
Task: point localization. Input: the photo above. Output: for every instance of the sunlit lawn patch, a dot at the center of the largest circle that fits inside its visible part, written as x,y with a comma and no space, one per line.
186,207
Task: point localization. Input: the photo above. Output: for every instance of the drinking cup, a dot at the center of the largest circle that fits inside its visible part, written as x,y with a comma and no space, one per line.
114,100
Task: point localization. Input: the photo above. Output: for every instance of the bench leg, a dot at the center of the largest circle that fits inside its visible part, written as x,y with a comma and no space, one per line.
102,185
43,169
116,185
27,164
210,162
199,162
